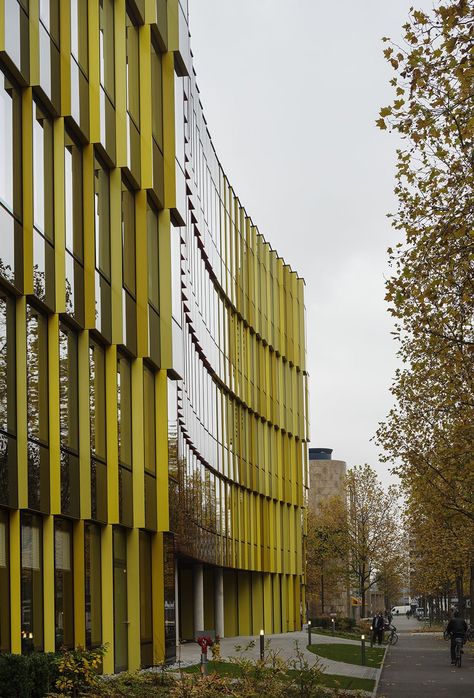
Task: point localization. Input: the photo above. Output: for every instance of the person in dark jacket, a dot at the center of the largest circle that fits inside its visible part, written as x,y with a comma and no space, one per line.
457,627
377,628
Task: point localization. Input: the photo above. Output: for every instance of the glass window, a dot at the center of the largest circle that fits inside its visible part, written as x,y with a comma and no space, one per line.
102,219
68,389
42,173
124,410
157,96
149,418
128,239
73,196
37,374
146,601
93,585
4,582
63,584
153,260
106,47
7,364
79,43
31,582
120,600
97,400
132,75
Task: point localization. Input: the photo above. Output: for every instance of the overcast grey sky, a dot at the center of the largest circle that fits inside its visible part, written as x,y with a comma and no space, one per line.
291,90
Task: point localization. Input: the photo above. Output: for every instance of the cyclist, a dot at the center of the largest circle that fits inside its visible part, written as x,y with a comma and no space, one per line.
457,627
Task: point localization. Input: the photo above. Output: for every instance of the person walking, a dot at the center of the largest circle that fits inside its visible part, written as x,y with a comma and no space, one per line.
377,628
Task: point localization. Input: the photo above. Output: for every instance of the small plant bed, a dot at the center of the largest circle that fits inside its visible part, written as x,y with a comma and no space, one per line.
328,680
351,654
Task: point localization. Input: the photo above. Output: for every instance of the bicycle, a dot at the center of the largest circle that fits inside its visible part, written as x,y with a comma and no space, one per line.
392,638
458,651
458,647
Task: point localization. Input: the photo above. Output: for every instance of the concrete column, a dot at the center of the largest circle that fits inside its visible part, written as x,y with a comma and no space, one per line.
219,601
198,578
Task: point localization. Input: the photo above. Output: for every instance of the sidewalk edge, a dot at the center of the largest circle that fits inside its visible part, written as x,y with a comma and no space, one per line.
374,692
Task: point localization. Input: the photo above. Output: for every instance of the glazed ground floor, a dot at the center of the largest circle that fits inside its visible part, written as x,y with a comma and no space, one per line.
236,602
65,583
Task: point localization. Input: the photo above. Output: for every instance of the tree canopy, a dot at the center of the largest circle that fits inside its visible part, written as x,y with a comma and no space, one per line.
428,435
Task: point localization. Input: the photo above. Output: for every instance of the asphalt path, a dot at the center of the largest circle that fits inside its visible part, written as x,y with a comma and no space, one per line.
419,666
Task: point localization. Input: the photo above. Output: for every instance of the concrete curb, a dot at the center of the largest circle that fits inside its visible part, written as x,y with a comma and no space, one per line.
374,692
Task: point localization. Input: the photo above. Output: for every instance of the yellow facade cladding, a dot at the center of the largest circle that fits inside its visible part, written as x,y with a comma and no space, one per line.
241,466
119,367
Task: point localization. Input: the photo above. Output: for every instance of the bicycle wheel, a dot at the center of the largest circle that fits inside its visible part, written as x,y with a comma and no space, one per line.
393,639
458,654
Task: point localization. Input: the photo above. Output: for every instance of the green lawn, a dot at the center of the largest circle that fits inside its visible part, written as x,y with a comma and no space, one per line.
349,653
329,680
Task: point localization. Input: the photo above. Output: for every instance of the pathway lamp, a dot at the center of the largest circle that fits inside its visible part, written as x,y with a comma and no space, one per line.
333,621
262,645
362,649
309,632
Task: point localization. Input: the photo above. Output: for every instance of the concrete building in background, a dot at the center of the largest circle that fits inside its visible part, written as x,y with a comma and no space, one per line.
326,476
153,387
326,479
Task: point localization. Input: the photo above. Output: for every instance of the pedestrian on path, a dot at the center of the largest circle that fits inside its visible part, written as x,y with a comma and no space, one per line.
377,628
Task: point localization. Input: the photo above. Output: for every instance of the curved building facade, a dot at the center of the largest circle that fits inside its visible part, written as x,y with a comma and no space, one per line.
153,384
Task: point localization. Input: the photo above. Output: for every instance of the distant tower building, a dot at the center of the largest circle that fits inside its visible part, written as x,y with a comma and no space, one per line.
326,479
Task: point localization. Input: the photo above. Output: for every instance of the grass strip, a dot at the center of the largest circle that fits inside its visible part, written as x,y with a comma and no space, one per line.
351,654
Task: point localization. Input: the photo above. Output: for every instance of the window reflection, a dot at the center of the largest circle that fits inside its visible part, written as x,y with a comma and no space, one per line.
31,582
4,581
63,584
124,409
93,600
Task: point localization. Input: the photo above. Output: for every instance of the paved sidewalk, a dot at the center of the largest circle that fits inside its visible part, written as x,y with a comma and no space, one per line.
420,665
285,644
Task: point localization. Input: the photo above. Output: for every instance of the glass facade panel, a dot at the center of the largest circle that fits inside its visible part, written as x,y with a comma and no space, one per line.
106,47
92,566
146,601
10,164
157,96
153,259
149,414
124,410
97,400
63,584
69,420
128,240
120,600
31,583
4,581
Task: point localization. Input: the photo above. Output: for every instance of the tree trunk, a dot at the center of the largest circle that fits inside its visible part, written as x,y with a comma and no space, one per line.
471,590
322,589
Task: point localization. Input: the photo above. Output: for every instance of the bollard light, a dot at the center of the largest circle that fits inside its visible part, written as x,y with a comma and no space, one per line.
333,625
262,645
362,649
309,632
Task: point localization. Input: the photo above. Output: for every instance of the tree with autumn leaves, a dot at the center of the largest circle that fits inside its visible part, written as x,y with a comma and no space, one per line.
357,540
428,435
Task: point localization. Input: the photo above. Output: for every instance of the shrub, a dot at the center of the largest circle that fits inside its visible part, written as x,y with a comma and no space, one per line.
27,676
78,670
